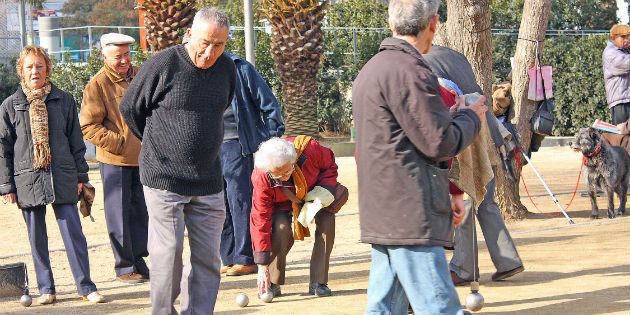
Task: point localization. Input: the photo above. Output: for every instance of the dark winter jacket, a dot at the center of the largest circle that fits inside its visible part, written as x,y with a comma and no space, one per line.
404,135
37,187
256,110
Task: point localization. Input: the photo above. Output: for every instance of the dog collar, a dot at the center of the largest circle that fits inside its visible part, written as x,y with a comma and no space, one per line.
599,148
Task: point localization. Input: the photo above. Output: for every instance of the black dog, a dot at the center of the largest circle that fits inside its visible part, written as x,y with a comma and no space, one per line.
607,168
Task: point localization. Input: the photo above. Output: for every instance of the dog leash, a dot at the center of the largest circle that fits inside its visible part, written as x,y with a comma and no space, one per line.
518,159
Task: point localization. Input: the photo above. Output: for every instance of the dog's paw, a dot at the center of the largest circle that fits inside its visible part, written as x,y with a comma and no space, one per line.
594,216
611,215
620,212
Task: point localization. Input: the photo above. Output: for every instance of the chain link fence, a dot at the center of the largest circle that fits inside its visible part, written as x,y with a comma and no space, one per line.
9,31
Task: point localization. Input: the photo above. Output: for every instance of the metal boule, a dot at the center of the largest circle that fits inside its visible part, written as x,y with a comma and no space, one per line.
267,297
474,301
242,300
26,300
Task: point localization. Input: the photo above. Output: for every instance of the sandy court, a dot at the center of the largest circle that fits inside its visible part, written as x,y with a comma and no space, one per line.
569,269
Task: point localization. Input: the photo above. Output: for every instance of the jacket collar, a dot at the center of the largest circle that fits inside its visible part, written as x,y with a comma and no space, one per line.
611,45
20,97
392,43
115,77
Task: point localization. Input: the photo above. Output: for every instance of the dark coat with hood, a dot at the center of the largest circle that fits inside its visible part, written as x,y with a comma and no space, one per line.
38,187
404,135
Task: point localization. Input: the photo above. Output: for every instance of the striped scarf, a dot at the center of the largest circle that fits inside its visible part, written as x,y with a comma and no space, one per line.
299,231
39,124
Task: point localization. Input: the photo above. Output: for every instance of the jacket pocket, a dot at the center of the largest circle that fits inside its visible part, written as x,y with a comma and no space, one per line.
439,185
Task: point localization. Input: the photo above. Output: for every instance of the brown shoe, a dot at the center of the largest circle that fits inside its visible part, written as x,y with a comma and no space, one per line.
226,269
131,277
498,276
457,281
240,270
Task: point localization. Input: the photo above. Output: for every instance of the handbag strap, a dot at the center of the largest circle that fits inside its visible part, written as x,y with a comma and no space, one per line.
287,192
538,65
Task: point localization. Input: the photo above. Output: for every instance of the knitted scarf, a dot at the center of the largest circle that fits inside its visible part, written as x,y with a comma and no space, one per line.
39,124
299,231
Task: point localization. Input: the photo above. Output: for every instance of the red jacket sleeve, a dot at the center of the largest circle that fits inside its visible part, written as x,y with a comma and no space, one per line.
260,219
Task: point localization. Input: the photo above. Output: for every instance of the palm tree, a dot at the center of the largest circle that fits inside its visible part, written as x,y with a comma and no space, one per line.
297,45
166,21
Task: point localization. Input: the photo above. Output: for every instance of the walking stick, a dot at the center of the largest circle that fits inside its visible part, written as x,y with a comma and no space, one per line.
546,187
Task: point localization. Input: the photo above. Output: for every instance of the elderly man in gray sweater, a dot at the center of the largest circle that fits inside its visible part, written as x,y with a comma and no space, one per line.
175,105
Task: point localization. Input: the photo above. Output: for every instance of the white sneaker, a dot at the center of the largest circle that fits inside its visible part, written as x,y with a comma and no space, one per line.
94,297
46,299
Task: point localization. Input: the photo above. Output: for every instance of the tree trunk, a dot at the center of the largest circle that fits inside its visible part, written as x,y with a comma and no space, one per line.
467,31
533,28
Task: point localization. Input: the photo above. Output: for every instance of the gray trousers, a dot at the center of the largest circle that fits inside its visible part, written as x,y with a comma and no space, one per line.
169,215
500,245
282,241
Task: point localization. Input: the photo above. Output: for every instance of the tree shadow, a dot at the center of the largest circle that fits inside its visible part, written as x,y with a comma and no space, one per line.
538,277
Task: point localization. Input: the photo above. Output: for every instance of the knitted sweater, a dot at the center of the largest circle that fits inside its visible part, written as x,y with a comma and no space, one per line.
176,110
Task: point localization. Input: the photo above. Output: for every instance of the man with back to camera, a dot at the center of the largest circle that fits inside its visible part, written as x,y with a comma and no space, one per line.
175,105
405,134
117,151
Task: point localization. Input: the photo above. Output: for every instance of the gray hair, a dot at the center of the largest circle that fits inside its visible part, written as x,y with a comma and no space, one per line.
410,17
274,153
211,15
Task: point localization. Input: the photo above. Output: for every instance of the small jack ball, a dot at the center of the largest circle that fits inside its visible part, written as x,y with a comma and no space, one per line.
26,300
242,300
474,301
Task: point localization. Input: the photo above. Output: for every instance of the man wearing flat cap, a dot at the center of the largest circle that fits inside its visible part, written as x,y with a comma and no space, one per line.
616,62
117,151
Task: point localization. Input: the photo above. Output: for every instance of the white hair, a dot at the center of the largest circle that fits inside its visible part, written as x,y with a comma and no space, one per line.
274,153
211,15
410,17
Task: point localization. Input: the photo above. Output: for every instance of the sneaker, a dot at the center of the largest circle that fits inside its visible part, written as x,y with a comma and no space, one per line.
131,277
240,270
94,297
275,288
226,269
498,276
319,289
48,298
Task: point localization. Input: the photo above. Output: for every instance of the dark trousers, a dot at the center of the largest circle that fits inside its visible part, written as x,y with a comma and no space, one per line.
126,217
67,216
620,113
282,241
236,241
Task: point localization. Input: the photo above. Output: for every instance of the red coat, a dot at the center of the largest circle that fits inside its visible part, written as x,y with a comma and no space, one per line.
319,169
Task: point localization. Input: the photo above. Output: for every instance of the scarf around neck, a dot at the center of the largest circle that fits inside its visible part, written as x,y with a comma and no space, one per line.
39,124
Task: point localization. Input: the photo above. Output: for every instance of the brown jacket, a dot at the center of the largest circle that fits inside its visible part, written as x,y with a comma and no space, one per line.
101,121
404,131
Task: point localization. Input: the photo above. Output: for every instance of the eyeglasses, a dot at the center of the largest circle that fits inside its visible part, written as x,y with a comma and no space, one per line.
283,175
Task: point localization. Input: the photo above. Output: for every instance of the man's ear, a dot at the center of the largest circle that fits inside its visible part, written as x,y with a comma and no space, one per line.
433,23
391,26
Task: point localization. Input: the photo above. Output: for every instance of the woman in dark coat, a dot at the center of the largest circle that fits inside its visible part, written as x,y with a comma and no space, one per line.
42,162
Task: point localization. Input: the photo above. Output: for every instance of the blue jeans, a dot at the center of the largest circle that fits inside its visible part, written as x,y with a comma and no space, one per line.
419,275
236,241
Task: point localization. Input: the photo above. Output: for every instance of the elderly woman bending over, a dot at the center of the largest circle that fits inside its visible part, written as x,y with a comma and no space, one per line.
298,165
42,162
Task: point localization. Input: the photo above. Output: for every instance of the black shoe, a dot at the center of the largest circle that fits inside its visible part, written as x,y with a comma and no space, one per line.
498,276
275,289
319,289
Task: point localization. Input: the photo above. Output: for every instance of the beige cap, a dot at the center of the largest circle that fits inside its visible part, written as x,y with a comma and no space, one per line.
620,29
116,39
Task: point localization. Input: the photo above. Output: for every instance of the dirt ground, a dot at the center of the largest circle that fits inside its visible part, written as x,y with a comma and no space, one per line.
569,269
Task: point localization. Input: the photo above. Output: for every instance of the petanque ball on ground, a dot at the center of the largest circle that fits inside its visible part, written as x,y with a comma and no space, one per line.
267,297
242,300
26,300
474,301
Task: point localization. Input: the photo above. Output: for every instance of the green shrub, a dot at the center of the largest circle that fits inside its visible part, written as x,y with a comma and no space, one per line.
9,80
